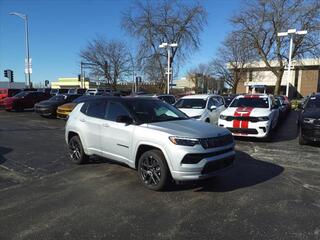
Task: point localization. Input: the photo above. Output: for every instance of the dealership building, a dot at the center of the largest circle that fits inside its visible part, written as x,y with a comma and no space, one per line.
304,78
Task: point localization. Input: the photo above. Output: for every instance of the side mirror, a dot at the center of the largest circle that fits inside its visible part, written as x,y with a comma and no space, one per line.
124,119
213,108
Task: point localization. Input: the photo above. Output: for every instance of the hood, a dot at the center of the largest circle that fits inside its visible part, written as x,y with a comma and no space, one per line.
47,103
67,106
192,112
253,112
189,128
311,113
9,99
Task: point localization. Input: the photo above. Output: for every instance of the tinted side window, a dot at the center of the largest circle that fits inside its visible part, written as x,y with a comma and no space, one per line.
213,102
96,109
115,110
84,108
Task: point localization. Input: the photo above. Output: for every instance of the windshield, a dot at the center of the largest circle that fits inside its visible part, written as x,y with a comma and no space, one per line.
58,98
250,102
149,111
191,103
21,94
314,102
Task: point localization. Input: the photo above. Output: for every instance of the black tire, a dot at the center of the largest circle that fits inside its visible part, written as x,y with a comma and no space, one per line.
19,109
75,149
268,138
153,170
302,141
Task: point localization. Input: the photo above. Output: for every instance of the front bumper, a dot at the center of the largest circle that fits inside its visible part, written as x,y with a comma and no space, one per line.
44,111
310,132
210,162
255,129
63,114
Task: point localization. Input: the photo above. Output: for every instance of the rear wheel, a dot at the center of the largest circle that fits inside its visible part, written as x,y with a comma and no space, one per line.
153,170
76,153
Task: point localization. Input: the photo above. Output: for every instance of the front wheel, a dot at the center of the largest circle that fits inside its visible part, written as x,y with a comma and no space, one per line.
76,153
302,141
153,170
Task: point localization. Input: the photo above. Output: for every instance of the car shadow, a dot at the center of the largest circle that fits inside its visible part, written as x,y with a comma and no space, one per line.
246,172
3,151
286,130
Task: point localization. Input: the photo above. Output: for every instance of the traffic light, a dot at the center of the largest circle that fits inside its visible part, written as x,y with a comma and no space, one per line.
11,76
5,73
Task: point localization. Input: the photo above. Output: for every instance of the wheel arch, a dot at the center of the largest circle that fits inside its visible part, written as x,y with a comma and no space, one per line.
143,147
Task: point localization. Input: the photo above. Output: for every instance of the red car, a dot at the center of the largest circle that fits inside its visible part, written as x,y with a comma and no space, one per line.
8,92
23,100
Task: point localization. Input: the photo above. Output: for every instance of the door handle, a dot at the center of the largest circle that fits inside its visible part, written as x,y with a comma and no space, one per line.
82,120
105,125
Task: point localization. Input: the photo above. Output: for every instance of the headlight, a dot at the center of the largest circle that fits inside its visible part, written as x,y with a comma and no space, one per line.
308,120
263,118
184,141
223,117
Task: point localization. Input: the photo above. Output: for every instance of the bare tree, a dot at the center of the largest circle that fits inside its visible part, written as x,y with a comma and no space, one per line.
163,21
111,60
233,57
261,20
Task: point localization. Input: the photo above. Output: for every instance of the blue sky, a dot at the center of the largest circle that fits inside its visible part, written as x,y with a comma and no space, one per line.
60,28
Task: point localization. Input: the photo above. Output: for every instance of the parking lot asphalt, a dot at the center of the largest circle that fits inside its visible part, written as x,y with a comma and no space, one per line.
272,192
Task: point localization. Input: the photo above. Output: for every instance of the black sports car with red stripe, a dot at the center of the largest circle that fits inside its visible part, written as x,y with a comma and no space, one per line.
253,115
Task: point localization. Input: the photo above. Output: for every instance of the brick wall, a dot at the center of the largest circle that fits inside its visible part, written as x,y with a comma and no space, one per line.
309,82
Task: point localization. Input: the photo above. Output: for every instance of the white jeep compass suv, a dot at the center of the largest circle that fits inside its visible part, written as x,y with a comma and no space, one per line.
149,135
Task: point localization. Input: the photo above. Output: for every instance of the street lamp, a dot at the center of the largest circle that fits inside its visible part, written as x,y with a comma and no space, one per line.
168,46
28,67
291,33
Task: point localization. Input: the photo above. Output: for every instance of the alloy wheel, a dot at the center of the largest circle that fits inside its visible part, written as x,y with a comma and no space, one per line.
150,171
74,151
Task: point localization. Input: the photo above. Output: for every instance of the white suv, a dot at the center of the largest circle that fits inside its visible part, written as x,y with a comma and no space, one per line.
149,135
252,115
202,107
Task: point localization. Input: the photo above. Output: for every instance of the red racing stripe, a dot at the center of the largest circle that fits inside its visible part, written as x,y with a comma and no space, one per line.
248,110
236,123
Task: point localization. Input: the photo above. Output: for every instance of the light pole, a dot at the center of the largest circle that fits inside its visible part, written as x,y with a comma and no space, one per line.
291,33
26,27
168,46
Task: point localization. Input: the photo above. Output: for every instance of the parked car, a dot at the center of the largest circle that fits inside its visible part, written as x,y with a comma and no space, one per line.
57,91
64,110
309,120
228,98
8,92
283,107
151,136
45,90
97,91
80,91
49,107
24,99
251,115
205,108
168,98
